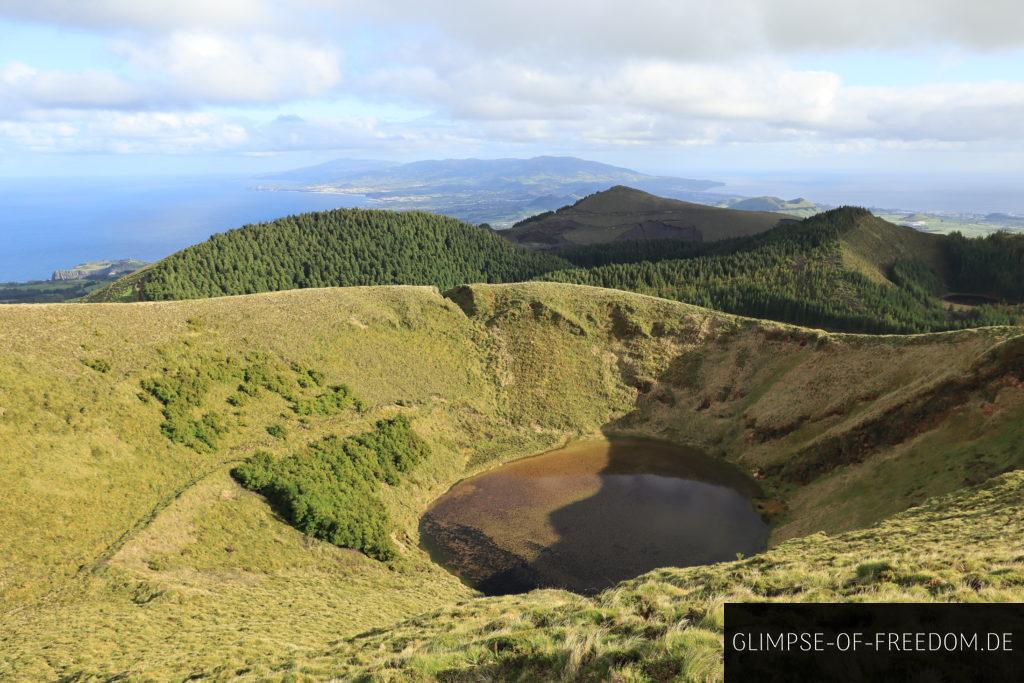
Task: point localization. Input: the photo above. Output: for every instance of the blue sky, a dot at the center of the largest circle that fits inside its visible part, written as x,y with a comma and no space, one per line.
692,88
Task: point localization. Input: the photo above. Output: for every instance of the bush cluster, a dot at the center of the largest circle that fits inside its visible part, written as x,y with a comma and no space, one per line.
329,491
181,391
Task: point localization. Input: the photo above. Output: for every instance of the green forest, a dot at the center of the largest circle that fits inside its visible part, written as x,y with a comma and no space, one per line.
329,491
338,248
800,272
796,273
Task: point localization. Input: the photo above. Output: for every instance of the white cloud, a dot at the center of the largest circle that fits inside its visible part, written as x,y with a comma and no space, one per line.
185,69
752,100
207,67
698,29
691,29
147,15
123,132
591,74
23,85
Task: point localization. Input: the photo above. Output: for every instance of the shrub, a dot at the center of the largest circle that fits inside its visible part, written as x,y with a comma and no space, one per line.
97,364
329,490
181,392
333,401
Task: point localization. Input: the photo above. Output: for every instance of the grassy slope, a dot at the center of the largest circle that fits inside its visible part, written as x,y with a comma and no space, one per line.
125,553
607,216
668,624
876,244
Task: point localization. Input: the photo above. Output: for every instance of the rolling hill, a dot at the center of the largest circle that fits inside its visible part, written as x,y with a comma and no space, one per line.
338,248
844,269
890,468
624,213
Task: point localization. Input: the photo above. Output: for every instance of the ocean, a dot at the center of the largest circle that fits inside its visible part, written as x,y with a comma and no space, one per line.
47,224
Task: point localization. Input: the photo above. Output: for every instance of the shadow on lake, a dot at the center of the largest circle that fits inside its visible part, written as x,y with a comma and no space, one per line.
592,514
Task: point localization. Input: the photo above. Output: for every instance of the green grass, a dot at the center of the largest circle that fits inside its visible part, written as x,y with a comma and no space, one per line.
47,291
127,553
842,270
667,625
329,491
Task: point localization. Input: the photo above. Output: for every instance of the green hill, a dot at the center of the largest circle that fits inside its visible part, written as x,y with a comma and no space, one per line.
130,552
622,213
843,270
345,247
801,207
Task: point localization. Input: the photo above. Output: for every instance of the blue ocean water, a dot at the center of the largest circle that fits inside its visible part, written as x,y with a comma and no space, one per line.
47,224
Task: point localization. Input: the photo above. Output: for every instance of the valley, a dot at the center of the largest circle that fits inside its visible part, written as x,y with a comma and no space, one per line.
617,342
131,552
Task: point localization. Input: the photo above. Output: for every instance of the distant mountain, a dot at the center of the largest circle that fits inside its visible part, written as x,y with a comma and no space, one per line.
624,214
494,191
329,171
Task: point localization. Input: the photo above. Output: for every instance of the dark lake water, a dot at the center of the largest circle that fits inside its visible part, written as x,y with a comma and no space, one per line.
592,514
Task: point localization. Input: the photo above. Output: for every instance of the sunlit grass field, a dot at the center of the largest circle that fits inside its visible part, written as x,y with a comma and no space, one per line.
125,553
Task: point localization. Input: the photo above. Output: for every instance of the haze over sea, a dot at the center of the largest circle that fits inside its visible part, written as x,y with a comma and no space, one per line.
57,223
966,193
50,224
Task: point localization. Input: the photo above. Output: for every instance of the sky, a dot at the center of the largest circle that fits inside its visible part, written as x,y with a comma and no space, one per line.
692,88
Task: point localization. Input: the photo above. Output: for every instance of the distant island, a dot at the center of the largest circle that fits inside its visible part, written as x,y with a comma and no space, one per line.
500,193
97,270
68,284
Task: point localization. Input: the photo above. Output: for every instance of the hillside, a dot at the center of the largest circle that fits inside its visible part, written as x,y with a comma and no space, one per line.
801,207
843,270
345,247
494,191
128,551
623,213
67,284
